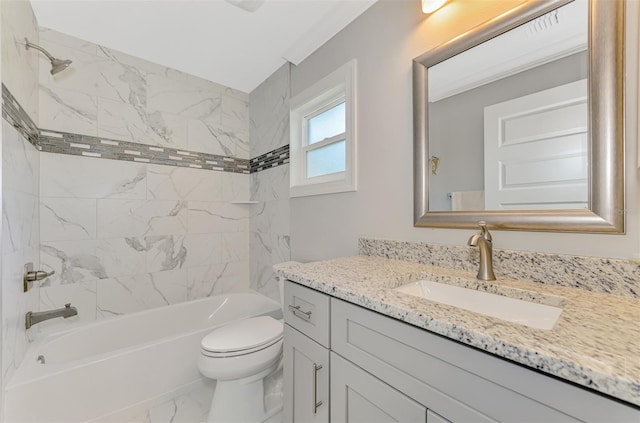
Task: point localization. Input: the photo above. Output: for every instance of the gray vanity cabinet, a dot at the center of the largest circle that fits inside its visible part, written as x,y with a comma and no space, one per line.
382,369
306,355
458,382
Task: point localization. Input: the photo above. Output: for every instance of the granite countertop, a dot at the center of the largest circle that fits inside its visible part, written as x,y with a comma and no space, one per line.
595,342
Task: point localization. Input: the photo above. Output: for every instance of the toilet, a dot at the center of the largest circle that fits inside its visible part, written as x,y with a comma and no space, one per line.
239,355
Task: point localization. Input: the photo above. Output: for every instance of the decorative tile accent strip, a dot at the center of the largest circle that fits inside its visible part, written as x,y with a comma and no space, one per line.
84,145
274,158
609,276
13,113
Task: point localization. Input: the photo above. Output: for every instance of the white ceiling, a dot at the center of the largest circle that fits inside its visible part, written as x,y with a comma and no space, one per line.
212,39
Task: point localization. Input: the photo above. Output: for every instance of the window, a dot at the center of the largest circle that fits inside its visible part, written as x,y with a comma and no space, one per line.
323,142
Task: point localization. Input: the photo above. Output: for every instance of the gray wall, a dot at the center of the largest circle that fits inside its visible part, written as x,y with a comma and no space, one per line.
456,124
384,40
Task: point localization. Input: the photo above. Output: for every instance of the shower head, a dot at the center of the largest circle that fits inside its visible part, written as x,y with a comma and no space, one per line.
57,65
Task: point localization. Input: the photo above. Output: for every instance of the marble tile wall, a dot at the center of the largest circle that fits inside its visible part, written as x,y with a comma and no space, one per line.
269,238
20,240
20,167
269,116
19,65
109,94
126,236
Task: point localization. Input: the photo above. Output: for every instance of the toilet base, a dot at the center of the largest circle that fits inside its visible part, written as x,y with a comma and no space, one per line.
241,401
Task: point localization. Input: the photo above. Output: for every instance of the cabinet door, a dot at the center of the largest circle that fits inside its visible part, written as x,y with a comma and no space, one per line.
306,379
359,397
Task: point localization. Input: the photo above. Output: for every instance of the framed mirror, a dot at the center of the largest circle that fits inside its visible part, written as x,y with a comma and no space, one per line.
520,122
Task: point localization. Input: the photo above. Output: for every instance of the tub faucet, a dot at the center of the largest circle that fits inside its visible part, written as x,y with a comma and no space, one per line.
484,243
40,316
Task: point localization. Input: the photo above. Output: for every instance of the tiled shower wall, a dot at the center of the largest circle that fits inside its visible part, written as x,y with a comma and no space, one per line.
109,94
269,238
20,167
125,236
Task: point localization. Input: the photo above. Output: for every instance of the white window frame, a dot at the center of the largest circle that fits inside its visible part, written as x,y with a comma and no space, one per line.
330,91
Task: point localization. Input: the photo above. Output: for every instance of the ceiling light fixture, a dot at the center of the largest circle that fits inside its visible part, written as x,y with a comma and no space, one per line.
430,6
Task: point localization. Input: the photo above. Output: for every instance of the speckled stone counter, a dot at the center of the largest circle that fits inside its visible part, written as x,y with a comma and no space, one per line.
595,342
609,276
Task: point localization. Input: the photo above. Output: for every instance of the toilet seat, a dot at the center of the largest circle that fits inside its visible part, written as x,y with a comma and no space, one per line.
214,354
242,337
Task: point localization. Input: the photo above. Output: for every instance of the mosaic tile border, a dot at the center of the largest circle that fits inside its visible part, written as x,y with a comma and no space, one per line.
274,158
88,146
16,116
51,141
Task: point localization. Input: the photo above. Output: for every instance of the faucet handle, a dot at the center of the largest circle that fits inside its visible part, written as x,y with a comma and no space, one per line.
484,231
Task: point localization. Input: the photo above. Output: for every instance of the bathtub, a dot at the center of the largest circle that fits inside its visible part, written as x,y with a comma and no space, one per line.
111,365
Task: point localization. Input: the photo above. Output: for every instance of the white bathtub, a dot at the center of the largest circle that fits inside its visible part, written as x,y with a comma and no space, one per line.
98,369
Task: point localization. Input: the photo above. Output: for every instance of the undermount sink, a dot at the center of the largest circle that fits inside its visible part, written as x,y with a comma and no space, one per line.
539,316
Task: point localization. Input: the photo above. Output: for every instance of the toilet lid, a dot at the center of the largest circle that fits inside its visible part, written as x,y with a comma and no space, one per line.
243,335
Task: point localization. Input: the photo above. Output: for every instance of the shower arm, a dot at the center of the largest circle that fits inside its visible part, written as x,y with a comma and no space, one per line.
37,47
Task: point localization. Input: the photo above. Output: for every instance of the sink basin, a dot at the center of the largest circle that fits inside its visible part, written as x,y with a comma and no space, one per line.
539,316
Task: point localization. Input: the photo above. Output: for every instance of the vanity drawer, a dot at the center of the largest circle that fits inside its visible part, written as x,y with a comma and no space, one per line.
307,311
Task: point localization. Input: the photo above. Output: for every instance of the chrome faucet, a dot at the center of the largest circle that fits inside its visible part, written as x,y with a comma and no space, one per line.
40,316
484,243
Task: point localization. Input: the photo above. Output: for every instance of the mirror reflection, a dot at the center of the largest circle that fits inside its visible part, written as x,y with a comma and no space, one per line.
508,119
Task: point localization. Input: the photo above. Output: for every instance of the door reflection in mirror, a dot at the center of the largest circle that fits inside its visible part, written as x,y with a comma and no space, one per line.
501,148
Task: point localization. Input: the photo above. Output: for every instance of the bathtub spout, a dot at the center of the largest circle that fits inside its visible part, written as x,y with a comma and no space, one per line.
32,318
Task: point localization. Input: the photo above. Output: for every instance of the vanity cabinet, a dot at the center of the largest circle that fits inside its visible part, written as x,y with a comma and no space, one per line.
306,355
458,382
383,369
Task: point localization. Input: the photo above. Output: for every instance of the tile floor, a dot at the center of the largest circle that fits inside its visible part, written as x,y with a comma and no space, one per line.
191,405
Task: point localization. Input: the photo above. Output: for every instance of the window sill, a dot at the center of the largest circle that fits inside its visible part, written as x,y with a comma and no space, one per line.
321,189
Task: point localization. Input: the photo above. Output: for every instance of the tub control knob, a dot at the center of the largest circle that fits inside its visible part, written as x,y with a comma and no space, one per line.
38,275
31,275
